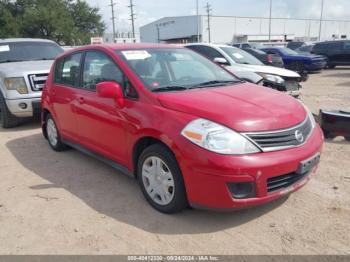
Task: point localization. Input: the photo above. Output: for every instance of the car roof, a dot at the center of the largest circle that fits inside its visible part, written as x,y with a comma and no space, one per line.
211,45
18,40
115,47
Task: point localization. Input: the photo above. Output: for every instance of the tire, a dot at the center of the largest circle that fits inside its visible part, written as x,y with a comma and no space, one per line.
7,120
53,135
161,182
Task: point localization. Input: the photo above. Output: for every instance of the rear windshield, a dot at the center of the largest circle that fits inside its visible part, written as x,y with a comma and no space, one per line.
28,51
287,51
240,56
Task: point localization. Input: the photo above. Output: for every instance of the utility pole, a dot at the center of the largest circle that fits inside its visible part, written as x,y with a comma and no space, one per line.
208,8
270,20
113,19
132,18
321,19
198,21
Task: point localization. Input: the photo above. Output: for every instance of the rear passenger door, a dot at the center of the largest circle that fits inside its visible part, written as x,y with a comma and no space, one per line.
335,52
64,93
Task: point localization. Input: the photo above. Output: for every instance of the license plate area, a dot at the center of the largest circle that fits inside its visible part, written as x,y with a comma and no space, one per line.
307,165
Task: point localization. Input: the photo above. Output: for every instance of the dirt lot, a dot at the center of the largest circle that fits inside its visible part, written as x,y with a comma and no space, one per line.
69,203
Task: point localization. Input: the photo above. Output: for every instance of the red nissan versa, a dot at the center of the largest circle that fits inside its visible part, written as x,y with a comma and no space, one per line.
189,131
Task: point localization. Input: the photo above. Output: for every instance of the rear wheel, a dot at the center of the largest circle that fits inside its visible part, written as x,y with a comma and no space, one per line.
53,135
161,180
7,120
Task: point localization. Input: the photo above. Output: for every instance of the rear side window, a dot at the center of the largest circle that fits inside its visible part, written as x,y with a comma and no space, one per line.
346,46
246,46
67,71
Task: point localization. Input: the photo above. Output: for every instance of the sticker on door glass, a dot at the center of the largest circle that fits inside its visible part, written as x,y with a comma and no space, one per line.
237,55
4,48
136,55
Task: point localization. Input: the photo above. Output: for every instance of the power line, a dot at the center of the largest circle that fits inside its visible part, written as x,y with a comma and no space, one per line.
112,5
208,9
132,18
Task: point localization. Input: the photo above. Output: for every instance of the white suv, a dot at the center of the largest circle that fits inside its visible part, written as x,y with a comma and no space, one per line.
24,67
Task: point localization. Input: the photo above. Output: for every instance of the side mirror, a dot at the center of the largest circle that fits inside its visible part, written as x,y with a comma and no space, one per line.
111,90
221,61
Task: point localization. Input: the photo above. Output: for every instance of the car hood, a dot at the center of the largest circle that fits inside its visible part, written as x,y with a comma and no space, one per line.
242,107
264,69
27,67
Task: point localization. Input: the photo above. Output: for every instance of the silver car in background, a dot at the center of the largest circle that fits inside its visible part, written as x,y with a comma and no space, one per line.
24,68
237,60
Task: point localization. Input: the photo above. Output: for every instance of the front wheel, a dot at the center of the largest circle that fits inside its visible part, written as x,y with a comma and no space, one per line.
161,180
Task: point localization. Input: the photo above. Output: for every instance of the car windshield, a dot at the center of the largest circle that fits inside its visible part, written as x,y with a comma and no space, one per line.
175,69
287,51
241,56
28,51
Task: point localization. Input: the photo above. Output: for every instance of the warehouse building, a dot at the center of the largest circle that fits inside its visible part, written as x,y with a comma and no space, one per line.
228,29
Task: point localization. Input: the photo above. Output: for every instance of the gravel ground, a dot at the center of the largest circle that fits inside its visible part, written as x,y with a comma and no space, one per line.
69,203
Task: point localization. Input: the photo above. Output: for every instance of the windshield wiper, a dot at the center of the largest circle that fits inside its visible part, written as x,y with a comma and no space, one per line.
215,83
169,88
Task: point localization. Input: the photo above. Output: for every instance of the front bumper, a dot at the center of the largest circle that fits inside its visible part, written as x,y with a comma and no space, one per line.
33,107
207,174
317,66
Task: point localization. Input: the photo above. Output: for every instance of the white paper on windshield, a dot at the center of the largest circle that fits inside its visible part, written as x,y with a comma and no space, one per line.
4,48
136,54
237,55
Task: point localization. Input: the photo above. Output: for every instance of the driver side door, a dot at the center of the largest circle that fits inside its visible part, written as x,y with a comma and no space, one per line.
100,120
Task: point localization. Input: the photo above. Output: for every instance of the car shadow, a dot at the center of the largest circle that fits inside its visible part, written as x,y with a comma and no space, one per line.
26,125
116,195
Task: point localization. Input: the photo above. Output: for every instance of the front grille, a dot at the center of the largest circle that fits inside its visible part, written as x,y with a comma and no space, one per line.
281,182
277,140
37,81
292,85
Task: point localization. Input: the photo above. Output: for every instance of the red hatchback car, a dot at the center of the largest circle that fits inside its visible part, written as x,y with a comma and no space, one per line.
188,130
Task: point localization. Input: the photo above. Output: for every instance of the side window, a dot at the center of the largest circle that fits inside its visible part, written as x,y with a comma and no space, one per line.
209,52
246,46
98,67
67,71
271,52
346,46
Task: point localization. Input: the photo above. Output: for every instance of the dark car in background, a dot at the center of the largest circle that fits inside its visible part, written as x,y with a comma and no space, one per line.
267,59
295,45
305,50
336,52
298,62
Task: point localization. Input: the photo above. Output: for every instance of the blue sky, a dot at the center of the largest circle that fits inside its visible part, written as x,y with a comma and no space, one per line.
150,10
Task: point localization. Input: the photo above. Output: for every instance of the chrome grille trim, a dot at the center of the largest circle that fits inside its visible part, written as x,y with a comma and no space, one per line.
281,139
37,81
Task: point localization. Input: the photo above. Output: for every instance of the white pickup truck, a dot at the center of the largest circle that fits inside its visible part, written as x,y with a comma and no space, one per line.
24,67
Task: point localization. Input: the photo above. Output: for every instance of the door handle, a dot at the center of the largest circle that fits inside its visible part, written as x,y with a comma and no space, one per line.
81,100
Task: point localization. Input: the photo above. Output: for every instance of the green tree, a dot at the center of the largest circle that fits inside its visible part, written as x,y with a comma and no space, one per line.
64,21
87,21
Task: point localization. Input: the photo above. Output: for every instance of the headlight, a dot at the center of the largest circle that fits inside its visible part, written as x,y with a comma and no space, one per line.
272,78
217,138
16,83
310,115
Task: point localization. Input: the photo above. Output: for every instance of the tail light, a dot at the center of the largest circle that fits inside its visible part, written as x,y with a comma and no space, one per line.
269,58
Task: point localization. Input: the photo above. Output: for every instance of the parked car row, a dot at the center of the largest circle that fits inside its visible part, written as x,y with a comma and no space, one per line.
304,56
189,130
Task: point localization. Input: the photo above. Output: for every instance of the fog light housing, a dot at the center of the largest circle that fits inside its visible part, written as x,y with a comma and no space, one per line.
242,190
23,106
